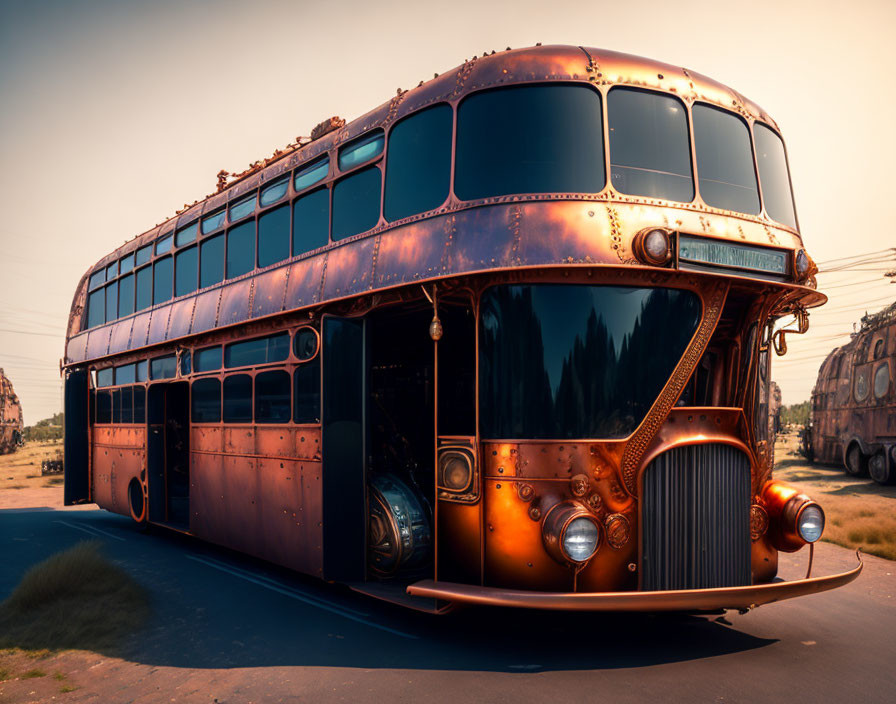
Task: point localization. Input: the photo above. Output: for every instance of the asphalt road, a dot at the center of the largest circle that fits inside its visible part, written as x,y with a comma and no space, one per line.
227,628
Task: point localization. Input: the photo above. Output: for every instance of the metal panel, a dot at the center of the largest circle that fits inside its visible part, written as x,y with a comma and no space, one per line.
695,518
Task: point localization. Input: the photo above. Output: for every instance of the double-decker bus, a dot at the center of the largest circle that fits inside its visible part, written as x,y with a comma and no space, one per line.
504,339
853,419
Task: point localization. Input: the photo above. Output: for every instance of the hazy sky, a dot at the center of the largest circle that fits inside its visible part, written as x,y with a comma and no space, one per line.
115,113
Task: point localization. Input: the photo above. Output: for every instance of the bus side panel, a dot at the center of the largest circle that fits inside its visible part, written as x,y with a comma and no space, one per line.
77,467
343,441
103,473
118,457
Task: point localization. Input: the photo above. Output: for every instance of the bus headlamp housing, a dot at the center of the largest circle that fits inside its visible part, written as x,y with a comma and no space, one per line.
810,522
570,534
803,266
653,246
795,518
457,470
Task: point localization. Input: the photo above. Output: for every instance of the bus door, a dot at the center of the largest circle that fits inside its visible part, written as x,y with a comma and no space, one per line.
77,412
168,454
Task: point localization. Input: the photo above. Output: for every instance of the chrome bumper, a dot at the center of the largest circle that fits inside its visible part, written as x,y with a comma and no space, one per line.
741,598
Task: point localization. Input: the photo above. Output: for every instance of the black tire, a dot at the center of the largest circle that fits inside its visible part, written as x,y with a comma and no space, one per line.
878,469
855,462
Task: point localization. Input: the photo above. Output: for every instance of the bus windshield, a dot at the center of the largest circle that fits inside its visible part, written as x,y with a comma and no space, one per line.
577,361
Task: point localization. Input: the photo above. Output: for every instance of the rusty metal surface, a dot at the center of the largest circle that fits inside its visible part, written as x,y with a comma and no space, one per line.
684,600
11,425
839,420
119,455
463,237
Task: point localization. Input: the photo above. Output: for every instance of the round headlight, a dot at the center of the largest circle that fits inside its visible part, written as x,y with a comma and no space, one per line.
653,247
810,523
455,471
580,539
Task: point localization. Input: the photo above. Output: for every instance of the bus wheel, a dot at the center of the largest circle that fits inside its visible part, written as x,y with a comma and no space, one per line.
877,468
137,500
855,462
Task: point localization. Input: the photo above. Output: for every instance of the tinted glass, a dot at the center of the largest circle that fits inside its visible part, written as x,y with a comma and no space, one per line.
305,344
116,406
650,150
361,150
418,165
185,235
127,405
213,222
186,363
205,401
272,402
103,407
144,288
356,203
162,271
142,369
311,221
105,377
311,174
238,399
126,264
273,236
240,249
306,392
261,350
96,279
530,139
186,271
207,360
112,271
164,245
242,208
125,295
774,175
573,361
724,160
139,404
96,308
271,194
143,255
125,374
112,301
881,380
211,262
163,367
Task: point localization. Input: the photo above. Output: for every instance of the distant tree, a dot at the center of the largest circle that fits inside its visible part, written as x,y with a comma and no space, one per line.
796,414
46,429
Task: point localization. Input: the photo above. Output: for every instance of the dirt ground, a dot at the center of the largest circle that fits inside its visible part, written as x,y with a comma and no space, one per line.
859,512
21,483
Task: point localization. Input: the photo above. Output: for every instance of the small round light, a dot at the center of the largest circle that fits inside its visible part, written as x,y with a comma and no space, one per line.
811,523
455,471
656,246
802,264
580,539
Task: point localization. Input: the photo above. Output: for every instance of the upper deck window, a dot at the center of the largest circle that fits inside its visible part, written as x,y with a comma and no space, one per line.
186,234
242,208
126,264
725,170
112,301
650,152
162,283
163,367
240,249
125,295
273,236
311,174
356,203
271,194
143,255
418,165
311,221
111,271
529,139
186,271
213,222
211,261
96,308
164,245
144,288
261,350
774,174
361,150
96,278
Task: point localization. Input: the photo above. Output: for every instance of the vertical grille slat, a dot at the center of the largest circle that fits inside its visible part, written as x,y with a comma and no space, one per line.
695,518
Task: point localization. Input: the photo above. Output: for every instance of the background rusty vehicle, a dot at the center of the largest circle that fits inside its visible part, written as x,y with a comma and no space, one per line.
10,417
853,419
500,363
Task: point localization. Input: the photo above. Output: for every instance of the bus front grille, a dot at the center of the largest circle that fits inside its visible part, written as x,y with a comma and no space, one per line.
695,518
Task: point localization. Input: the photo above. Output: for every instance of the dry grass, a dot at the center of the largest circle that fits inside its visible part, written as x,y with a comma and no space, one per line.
21,469
859,513
75,599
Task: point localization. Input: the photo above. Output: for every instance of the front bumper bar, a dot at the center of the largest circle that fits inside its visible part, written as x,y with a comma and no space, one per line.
681,600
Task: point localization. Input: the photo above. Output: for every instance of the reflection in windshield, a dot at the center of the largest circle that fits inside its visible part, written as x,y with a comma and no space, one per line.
570,361
774,175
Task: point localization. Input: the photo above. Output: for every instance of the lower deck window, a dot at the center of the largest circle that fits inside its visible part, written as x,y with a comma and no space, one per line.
205,402
272,397
238,399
